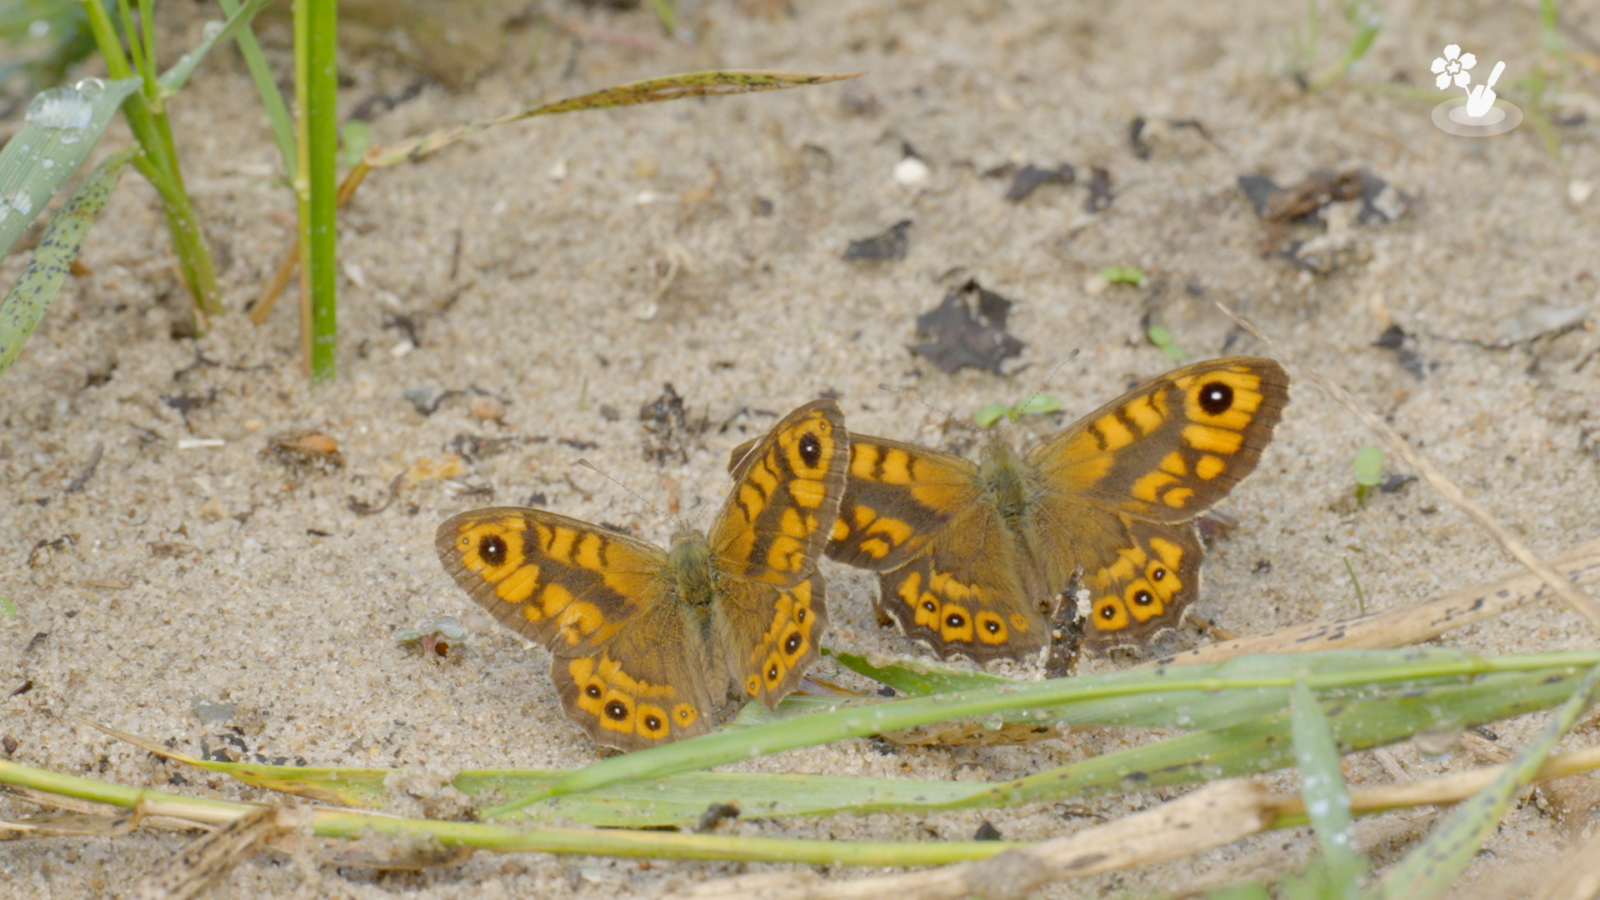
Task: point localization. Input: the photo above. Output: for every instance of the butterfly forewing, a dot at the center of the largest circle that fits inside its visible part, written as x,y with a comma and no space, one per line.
1169,449
785,498
562,583
899,498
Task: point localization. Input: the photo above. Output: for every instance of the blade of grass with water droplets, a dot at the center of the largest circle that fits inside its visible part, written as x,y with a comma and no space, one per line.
62,126
25,304
729,746
1429,869
1322,785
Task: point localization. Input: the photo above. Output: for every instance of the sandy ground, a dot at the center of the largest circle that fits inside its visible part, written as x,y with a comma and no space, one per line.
531,261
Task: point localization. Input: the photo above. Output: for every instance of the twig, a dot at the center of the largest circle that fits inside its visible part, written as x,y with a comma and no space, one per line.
1401,627
1581,603
88,470
1214,815
204,861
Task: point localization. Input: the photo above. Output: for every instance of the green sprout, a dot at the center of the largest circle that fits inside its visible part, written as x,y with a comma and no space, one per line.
1123,275
8,610
1163,338
354,138
1368,466
1036,405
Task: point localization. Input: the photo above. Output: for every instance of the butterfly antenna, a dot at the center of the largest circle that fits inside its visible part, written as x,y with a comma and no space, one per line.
630,491
1045,382
923,402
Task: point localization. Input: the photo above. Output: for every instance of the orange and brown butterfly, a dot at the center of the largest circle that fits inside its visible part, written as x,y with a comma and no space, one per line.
650,645
973,557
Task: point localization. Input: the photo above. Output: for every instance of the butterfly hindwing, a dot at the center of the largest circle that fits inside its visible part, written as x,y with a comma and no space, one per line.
1144,586
646,686
967,592
773,635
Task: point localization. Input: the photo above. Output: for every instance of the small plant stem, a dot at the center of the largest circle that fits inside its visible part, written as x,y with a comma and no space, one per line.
267,89
316,181
518,837
1361,600
158,163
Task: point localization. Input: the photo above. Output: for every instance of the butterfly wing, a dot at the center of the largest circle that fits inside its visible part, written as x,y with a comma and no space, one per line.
1169,449
630,667
785,498
899,499
646,686
1144,585
968,591
773,635
1120,487
771,605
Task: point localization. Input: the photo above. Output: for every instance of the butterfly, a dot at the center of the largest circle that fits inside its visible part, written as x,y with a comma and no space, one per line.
650,645
967,552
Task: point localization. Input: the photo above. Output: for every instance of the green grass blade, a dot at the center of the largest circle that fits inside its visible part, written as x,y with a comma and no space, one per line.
266,88
730,746
41,156
655,90
1263,744
1179,709
1400,709
1322,785
1429,869
25,304
319,233
518,836
238,20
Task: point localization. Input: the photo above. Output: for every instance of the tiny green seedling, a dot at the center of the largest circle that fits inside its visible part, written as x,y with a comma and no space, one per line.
1368,466
1123,275
8,610
354,139
1037,405
1163,338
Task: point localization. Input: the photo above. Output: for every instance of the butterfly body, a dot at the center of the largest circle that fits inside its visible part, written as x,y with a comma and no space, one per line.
650,645
973,557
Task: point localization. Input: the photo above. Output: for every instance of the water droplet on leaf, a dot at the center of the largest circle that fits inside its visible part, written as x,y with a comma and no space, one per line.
61,107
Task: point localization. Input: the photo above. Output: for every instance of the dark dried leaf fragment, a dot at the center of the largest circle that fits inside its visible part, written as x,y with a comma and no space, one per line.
1404,346
890,244
1030,177
1100,193
968,328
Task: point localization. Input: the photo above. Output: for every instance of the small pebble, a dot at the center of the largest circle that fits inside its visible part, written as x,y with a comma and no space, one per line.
488,408
910,171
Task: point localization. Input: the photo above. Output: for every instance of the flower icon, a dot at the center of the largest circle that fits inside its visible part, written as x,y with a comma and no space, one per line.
1453,66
